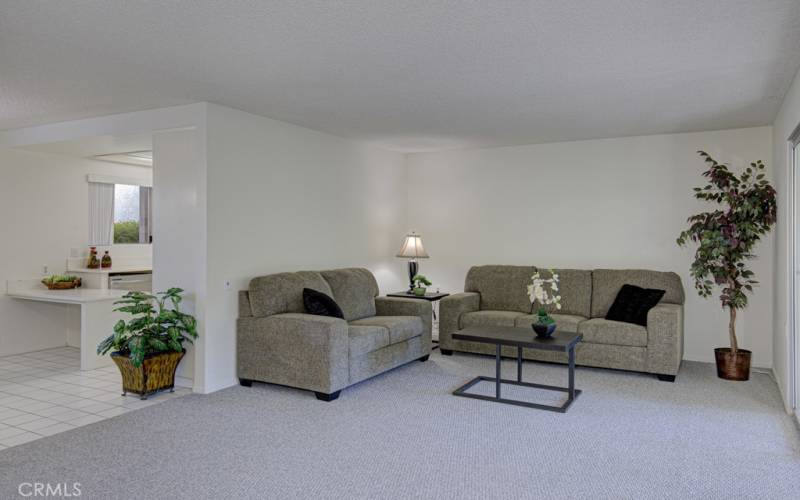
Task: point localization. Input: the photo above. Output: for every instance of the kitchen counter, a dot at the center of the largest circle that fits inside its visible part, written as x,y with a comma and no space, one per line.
122,268
97,314
101,278
74,296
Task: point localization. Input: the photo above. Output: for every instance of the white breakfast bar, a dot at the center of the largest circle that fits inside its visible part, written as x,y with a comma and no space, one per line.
97,315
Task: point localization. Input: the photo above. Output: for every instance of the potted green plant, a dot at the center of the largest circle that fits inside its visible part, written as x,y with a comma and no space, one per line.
148,348
544,291
420,280
725,237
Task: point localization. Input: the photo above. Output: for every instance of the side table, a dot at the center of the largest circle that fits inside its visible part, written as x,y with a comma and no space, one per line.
432,297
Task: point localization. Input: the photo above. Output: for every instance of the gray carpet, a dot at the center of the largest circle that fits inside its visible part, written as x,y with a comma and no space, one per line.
402,435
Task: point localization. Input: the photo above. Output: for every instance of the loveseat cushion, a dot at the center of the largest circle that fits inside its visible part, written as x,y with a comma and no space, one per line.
489,318
604,331
283,292
366,338
606,284
401,328
354,289
502,288
564,322
575,288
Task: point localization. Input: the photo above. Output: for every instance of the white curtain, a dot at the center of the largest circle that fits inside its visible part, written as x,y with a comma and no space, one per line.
145,214
101,214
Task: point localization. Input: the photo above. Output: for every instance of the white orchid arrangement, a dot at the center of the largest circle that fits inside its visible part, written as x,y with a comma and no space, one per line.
545,292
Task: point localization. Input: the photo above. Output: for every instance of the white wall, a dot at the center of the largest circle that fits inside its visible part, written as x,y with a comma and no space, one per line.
274,197
787,120
617,203
285,198
179,227
44,214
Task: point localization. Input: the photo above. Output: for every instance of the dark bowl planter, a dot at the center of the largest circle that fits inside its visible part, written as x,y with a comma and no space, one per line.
543,330
730,367
157,373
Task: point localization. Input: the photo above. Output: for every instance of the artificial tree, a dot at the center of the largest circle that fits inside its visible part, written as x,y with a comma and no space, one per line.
726,236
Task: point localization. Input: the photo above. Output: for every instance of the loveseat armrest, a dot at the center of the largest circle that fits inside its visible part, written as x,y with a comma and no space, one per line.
665,339
299,350
399,306
450,310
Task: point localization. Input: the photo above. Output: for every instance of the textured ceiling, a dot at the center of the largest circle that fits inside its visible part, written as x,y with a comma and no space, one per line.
409,75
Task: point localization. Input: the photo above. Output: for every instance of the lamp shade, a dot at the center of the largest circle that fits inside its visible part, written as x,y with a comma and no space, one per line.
412,248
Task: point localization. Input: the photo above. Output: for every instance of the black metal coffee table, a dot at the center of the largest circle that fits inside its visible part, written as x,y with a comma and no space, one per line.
519,338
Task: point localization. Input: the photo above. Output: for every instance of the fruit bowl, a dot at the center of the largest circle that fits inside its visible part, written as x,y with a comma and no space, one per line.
61,282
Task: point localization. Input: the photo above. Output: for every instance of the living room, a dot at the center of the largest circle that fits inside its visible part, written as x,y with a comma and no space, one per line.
483,151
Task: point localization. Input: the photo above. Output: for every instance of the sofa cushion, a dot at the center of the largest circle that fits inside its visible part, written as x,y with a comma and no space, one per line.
320,304
575,288
633,303
606,284
564,322
502,288
354,289
283,292
604,331
401,328
366,338
489,318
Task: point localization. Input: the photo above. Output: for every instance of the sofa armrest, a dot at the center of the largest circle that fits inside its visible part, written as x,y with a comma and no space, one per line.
398,306
298,350
665,339
450,310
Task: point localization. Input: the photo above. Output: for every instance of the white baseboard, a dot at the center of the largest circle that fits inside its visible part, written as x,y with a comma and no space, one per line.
784,396
711,359
184,382
218,387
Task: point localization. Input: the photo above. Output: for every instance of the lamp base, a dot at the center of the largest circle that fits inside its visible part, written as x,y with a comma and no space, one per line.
413,267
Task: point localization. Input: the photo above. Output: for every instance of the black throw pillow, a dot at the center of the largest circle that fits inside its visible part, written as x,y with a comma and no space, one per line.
633,303
320,304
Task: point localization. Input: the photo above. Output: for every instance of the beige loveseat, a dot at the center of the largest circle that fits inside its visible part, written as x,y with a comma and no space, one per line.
497,295
280,344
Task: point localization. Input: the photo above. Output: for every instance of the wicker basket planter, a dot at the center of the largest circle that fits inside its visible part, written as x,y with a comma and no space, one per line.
157,373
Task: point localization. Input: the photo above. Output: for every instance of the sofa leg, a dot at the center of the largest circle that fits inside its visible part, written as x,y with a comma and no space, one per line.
245,382
446,352
327,397
424,358
666,378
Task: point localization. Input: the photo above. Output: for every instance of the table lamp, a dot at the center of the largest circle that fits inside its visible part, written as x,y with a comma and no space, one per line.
412,249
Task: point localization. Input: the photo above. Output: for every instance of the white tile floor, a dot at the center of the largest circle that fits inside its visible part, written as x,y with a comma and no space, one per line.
45,392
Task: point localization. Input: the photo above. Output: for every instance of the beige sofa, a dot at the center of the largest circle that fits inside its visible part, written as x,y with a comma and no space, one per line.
497,295
280,344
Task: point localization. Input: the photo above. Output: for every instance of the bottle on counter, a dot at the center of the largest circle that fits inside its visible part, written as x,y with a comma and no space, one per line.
93,262
105,262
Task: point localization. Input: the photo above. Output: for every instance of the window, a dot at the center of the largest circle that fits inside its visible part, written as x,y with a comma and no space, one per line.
132,214
119,212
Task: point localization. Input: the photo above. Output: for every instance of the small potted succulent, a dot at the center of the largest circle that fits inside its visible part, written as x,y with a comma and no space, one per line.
544,292
148,348
746,210
420,280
